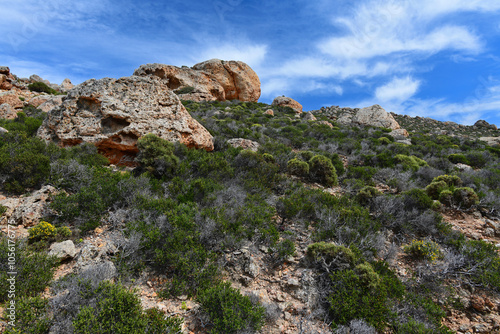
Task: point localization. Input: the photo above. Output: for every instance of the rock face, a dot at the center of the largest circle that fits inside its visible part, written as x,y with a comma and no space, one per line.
114,113
66,85
283,101
399,134
370,116
244,143
212,80
6,111
492,141
51,103
12,99
483,124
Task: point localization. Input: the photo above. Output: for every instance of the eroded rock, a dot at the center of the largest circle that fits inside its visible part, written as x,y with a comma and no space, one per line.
283,101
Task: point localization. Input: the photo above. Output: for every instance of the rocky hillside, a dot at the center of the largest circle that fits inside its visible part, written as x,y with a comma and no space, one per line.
171,201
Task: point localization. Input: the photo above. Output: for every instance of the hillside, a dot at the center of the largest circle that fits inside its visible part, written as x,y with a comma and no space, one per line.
287,222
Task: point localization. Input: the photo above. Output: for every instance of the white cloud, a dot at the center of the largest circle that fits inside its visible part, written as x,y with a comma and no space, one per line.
399,89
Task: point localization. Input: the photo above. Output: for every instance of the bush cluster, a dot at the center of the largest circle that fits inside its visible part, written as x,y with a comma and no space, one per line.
446,189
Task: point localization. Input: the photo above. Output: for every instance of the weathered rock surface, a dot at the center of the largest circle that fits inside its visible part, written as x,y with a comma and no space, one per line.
114,113
399,134
5,82
370,116
51,103
28,211
63,250
269,112
12,99
244,143
283,101
309,117
492,141
483,124
6,111
66,85
208,81
326,123
38,100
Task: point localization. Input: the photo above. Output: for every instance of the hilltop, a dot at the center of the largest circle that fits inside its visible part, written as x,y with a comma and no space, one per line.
228,215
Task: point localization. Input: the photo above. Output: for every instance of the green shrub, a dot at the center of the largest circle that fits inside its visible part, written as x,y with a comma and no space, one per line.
362,173
367,193
321,170
42,231
417,198
306,155
184,90
41,87
298,167
229,311
465,197
31,314
446,197
118,311
3,209
435,188
268,158
450,180
458,159
384,140
338,256
476,159
157,155
283,250
410,162
64,232
34,270
424,249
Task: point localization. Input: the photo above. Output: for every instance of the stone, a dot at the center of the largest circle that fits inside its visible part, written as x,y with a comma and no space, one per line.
483,124
269,112
406,141
283,101
463,167
5,82
252,268
244,143
63,250
38,100
2,130
492,141
212,80
28,211
326,123
4,70
12,99
309,117
399,134
238,80
51,103
6,111
37,78
114,113
375,116
66,85
477,303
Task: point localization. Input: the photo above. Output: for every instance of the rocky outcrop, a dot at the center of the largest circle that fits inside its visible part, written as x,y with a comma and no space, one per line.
309,117
283,101
6,111
51,103
114,113
66,85
492,141
370,116
483,124
212,80
244,143
399,134
12,99
38,100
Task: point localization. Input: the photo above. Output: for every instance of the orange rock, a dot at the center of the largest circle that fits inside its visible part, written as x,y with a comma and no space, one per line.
283,101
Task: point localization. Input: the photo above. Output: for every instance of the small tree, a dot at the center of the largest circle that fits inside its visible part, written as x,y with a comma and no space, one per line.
157,155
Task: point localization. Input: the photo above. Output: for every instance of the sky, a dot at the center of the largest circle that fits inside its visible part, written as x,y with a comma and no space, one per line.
428,58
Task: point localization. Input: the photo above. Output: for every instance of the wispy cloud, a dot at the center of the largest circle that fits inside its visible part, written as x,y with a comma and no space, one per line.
398,89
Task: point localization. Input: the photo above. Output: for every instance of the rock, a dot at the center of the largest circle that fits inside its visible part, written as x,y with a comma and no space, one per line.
2,130
5,82
28,211
283,101
6,111
326,123
492,141
406,141
208,81
244,143
51,103
375,116
12,99
66,85
36,78
63,250
399,134
238,80
463,167
309,117
483,124
5,70
252,268
38,100
269,112
477,303
114,113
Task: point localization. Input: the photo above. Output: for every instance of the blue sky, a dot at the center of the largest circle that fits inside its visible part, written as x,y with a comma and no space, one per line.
435,58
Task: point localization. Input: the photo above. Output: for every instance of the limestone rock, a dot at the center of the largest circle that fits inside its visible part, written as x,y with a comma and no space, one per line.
283,101
309,117
375,116
212,80
237,79
483,124
492,141
12,99
38,100
63,250
27,211
66,85
114,113
6,111
399,134
244,143
51,103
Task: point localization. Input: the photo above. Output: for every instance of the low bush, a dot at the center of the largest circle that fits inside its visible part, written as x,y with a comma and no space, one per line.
42,87
298,167
465,197
229,311
458,159
410,162
31,314
156,155
42,231
334,256
321,170
424,249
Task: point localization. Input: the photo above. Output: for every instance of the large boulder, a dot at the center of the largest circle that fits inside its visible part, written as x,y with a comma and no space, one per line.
483,124
492,141
12,99
283,101
369,116
114,113
66,85
63,250
212,80
246,144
